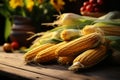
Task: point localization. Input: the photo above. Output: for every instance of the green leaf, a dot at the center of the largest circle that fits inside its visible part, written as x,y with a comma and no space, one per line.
7,28
4,12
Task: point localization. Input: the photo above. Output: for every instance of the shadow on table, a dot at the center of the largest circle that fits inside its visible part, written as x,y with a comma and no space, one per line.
8,76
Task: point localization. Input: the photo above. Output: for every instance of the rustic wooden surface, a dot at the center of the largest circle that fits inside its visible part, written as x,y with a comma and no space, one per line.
12,67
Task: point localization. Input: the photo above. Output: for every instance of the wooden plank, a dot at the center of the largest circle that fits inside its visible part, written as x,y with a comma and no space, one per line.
12,61
23,73
55,71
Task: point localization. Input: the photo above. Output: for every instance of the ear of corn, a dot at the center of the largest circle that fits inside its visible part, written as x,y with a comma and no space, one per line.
89,58
29,56
65,60
91,29
109,29
78,45
47,54
69,34
106,29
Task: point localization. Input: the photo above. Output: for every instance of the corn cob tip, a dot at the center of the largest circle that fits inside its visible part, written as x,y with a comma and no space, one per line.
91,29
28,60
76,66
65,60
69,34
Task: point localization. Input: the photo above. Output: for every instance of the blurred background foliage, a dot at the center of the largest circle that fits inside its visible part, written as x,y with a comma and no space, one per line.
41,11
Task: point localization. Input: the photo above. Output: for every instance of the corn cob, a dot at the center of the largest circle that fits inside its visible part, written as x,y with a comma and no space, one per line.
89,58
109,29
29,56
48,54
78,45
69,34
66,60
90,29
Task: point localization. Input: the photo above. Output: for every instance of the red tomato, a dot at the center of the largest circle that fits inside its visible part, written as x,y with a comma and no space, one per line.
15,45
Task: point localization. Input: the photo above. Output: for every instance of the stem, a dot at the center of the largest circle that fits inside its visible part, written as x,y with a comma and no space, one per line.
23,12
7,28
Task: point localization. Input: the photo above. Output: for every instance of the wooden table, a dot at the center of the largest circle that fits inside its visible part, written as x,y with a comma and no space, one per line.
12,67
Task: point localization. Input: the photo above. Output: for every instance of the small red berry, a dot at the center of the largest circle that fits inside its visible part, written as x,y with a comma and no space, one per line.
82,9
15,45
93,1
100,2
89,8
96,9
95,5
85,3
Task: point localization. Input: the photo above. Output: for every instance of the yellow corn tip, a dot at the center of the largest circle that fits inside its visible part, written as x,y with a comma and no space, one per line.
78,45
69,34
91,29
65,60
47,54
29,56
89,58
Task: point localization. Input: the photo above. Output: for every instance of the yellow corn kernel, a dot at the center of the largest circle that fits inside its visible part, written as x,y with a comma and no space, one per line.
48,54
111,30
29,56
69,34
78,45
89,58
91,29
65,60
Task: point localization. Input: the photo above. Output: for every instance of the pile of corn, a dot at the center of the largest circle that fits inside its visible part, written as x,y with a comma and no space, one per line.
80,48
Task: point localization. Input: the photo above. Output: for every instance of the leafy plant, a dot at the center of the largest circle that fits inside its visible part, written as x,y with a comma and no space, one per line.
39,11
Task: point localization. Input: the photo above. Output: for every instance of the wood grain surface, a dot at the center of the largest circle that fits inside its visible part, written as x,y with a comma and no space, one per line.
12,67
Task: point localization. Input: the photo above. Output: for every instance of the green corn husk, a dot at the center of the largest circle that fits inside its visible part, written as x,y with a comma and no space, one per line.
69,19
47,37
112,18
54,34
81,24
114,42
